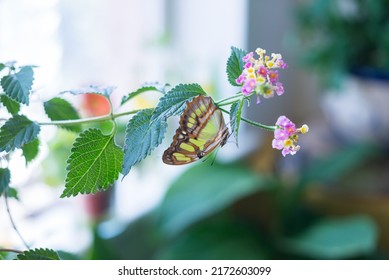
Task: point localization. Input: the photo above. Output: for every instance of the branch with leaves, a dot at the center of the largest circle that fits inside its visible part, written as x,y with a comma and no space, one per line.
96,160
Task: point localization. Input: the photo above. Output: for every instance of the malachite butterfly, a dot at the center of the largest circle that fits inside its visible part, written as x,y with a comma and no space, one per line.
202,129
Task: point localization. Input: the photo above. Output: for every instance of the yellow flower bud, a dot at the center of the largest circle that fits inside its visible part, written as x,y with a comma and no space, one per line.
304,129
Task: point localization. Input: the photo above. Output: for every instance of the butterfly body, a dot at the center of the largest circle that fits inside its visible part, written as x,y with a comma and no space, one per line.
201,130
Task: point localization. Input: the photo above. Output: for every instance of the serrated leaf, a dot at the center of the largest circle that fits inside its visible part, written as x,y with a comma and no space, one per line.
12,106
30,150
142,136
94,164
38,254
147,87
235,117
5,178
235,65
105,91
173,103
17,86
16,132
58,109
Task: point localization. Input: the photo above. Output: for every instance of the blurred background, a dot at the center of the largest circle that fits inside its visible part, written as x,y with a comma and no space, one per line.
329,201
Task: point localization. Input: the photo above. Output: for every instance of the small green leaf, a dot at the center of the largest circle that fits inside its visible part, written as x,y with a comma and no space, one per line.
17,86
173,103
147,87
30,150
38,254
5,178
340,238
235,65
2,66
16,132
10,64
142,136
58,109
13,193
235,117
12,106
94,163
105,91
202,191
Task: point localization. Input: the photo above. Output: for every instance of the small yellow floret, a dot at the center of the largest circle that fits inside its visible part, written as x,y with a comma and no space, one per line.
270,64
250,70
260,80
260,52
288,143
304,129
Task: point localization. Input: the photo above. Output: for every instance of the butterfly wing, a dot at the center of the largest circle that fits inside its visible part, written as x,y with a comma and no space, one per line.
201,130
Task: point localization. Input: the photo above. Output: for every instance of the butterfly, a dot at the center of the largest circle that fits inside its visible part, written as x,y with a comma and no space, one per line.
201,130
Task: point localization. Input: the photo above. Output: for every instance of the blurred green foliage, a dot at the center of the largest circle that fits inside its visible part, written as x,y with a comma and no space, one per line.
338,37
228,211
340,238
203,191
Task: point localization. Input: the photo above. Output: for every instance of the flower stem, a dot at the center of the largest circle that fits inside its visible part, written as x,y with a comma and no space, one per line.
12,220
91,120
221,102
226,103
11,250
257,124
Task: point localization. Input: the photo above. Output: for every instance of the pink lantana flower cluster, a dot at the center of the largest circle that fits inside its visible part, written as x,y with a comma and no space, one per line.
286,136
259,75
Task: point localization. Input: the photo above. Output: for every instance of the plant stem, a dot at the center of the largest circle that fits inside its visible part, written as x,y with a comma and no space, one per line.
220,102
11,250
91,120
12,220
257,124
225,104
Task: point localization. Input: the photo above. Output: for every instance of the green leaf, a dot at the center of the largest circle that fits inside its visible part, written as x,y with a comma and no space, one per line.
217,238
2,66
58,109
12,106
17,86
142,136
38,254
235,65
13,193
204,190
30,150
341,238
16,132
235,117
5,178
174,102
94,163
147,87
332,167
135,242
104,91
